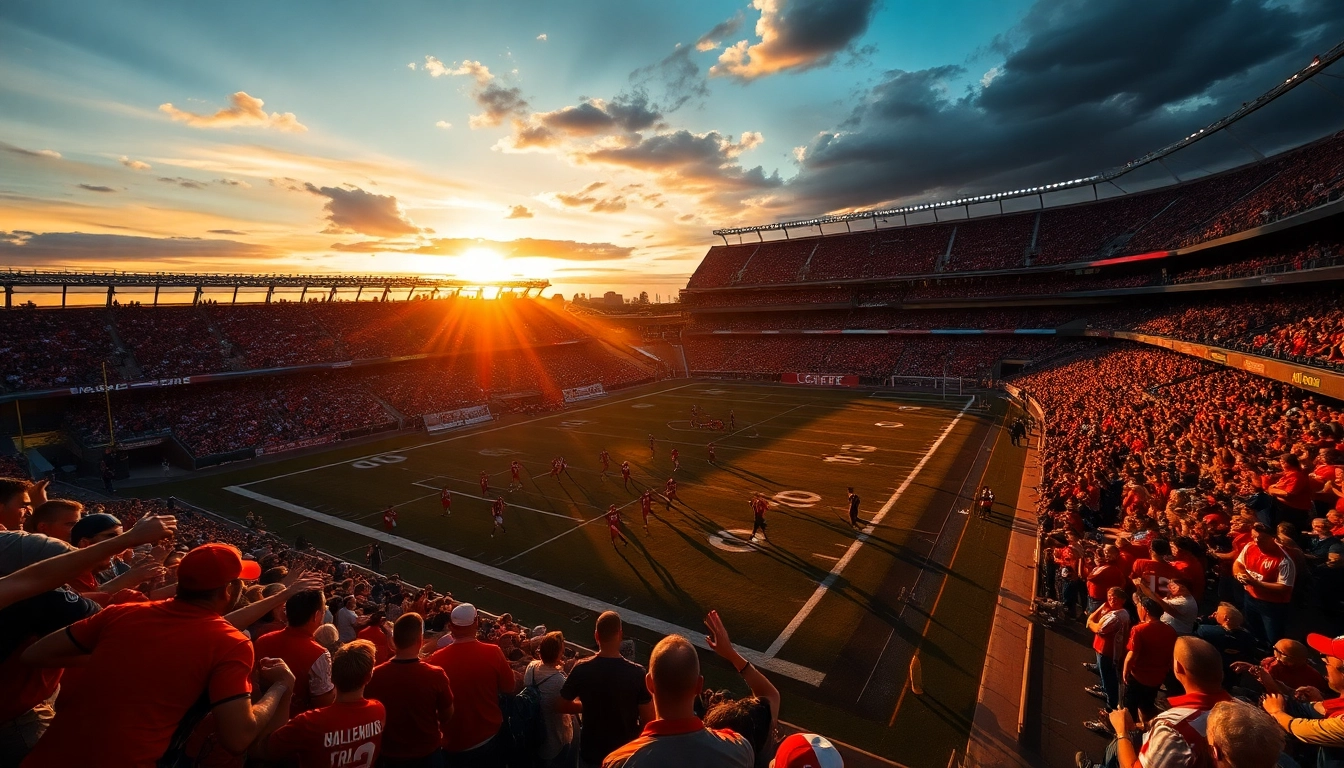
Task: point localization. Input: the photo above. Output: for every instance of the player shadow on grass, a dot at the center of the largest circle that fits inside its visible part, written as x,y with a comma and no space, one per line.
746,474
687,606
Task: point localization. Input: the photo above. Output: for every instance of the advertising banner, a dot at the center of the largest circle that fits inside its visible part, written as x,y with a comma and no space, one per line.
822,379
462,417
583,393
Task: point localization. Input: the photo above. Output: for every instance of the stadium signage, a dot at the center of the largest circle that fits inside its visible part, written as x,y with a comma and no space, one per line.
146,384
1218,357
1306,380
294,445
583,393
462,417
822,379
1254,366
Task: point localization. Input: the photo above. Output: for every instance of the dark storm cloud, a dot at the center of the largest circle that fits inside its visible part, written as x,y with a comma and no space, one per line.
627,113
1084,85
795,35
351,209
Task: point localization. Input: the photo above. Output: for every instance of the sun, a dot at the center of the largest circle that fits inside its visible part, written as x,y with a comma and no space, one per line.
481,265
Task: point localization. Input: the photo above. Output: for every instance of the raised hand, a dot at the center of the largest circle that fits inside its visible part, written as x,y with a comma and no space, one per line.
151,528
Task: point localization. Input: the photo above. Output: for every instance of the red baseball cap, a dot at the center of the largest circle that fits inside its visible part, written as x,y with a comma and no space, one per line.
1327,645
806,750
212,566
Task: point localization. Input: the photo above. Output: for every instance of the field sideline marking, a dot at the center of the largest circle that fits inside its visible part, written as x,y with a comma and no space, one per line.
696,636
825,585
461,435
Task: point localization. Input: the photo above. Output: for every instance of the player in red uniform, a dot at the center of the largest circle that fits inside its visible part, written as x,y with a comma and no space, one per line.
485,482
390,518
625,473
515,470
497,514
676,460
670,492
646,506
711,453
605,458
445,501
758,507
614,525
564,466
555,467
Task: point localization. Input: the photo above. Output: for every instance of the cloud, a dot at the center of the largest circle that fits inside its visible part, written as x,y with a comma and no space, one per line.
246,111
679,77
226,232
497,102
712,39
705,165
519,212
568,250
795,35
181,182
1083,85
43,154
351,209
542,37
96,188
135,165
626,114
444,124
585,198
233,183
54,248
411,66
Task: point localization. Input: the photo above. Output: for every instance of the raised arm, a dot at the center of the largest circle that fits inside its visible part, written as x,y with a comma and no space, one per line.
760,685
55,571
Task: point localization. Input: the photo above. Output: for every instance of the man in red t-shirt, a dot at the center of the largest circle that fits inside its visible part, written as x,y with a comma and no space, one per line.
347,732
1151,643
1104,575
307,658
1293,490
417,696
1268,574
479,674
165,665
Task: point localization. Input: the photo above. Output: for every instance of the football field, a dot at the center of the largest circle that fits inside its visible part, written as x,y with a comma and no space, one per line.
833,614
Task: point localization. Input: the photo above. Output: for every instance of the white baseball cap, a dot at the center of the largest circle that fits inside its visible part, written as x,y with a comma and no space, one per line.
464,615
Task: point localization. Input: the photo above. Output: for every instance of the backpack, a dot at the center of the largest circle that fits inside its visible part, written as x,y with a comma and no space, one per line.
524,727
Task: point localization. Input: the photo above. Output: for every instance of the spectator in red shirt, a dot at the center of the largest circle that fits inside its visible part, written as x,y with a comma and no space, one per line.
479,673
1268,574
1109,624
1104,575
1293,490
1285,671
417,696
1148,661
159,660
378,632
347,732
308,659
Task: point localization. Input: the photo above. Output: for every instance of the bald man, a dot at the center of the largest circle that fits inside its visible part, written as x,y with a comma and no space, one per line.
678,738
1175,736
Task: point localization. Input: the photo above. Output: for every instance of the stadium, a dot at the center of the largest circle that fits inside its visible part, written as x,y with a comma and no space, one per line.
1050,476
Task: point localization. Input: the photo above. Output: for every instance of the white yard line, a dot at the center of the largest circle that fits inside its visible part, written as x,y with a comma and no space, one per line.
867,531
423,484
461,435
696,636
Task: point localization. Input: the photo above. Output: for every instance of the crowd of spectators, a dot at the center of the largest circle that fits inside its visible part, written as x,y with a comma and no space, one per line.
170,341
55,348
260,412
48,348
884,319
1162,219
227,645
1191,518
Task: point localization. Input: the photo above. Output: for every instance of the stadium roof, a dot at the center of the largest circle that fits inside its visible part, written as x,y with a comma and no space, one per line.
1317,65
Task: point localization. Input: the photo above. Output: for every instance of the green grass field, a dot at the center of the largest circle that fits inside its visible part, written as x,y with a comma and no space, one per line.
833,616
